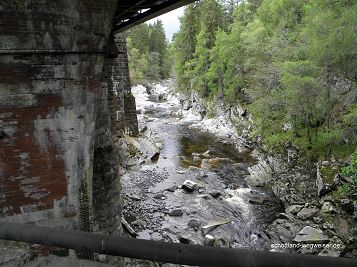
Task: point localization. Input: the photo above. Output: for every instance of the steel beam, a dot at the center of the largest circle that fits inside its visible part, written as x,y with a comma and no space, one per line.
155,11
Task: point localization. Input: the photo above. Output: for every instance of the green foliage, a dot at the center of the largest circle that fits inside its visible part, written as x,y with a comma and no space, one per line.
350,171
148,52
277,58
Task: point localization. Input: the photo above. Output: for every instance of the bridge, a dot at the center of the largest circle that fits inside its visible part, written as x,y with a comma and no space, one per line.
64,100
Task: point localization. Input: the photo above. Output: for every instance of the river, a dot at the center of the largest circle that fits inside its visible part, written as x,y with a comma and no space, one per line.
159,209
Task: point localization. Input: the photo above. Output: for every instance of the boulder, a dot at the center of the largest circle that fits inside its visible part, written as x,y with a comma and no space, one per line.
189,186
186,239
307,213
215,194
176,212
194,223
209,240
206,229
294,209
221,242
311,235
328,207
327,178
206,154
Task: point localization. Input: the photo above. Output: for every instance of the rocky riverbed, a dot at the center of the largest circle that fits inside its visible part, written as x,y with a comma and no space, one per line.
202,181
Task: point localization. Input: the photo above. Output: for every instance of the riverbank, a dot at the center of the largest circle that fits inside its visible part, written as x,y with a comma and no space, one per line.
305,217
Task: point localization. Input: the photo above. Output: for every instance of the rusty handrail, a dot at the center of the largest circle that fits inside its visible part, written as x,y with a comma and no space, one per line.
162,251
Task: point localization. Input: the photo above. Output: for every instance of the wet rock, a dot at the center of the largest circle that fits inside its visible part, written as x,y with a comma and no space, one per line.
221,242
160,196
334,248
154,98
172,189
180,172
196,159
311,235
260,174
189,186
283,216
193,168
206,229
176,212
186,239
214,163
139,223
328,207
155,157
258,200
215,194
206,154
204,196
307,213
194,223
144,129
209,240
294,209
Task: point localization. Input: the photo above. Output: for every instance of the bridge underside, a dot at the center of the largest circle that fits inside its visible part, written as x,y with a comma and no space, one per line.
130,13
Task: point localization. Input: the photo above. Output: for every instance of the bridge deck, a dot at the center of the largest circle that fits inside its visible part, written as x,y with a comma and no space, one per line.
130,13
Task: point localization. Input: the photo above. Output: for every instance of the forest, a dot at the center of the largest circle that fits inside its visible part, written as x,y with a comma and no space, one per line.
291,64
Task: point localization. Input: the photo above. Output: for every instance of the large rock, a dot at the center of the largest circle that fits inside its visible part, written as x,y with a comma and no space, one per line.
326,178
206,229
189,186
209,240
311,235
176,212
307,213
294,209
328,207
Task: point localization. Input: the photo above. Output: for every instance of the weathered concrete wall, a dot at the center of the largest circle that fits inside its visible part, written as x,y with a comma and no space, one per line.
52,55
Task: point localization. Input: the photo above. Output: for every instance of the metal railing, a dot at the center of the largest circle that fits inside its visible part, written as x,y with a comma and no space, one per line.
162,251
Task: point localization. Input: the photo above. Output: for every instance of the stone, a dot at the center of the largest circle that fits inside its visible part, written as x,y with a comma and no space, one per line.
155,157
221,242
193,168
294,209
160,196
194,223
209,240
258,200
172,189
215,194
176,212
204,196
139,223
307,213
206,229
186,239
334,248
206,154
328,207
283,216
311,235
189,186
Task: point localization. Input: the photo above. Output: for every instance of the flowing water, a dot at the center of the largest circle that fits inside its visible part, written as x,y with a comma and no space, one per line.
155,189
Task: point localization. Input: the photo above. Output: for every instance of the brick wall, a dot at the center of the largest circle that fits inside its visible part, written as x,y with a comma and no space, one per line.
52,55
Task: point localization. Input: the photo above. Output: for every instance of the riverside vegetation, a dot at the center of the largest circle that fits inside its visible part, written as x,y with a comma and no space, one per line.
291,64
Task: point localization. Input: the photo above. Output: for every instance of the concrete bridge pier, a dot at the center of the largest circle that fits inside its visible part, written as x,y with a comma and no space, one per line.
64,97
